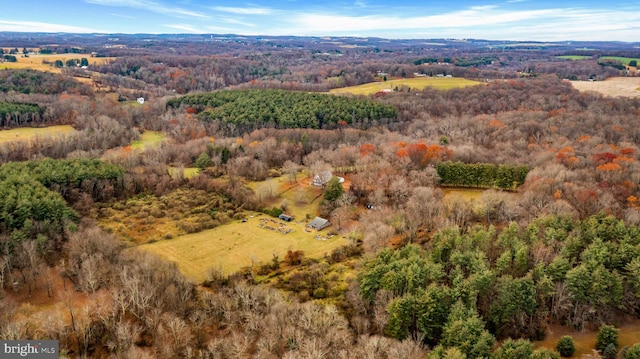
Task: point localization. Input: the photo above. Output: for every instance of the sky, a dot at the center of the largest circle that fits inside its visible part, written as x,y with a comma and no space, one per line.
518,20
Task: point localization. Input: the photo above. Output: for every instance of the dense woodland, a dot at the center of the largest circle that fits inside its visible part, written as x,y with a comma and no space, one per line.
553,239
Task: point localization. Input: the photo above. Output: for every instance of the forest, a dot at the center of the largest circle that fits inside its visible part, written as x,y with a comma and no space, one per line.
474,221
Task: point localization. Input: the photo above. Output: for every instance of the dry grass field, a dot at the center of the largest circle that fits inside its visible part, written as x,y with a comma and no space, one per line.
616,86
240,244
416,83
149,139
29,133
36,62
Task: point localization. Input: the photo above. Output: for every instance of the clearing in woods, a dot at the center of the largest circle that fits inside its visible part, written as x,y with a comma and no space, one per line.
148,139
416,83
615,86
239,244
30,133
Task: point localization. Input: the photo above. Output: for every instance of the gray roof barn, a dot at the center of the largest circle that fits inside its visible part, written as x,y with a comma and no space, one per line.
319,223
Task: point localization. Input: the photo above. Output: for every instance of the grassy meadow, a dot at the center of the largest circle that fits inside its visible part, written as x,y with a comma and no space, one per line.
29,133
416,83
148,139
623,60
36,62
573,57
233,246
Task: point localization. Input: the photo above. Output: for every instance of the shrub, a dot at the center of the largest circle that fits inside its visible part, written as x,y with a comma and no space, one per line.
565,346
608,334
633,352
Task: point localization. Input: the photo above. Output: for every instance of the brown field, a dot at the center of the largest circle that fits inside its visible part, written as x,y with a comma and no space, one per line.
233,246
30,133
616,86
35,62
585,340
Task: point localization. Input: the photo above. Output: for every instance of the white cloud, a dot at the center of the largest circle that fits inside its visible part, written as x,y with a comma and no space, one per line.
488,22
234,21
35,26
185,28
149,6
244,10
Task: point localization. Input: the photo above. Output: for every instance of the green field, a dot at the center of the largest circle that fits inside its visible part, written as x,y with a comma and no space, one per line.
416,83
29,133
623,60
188,172
573,57
148,139
233,246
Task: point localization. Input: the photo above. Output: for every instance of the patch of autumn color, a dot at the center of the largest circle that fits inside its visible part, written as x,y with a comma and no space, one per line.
366,149
342,123
614,147
496,124
254,144
173,121
633,200
191,110
628,184
609,167
583,138
554,129
557,194
211,139
126,149
573,160
623,159
239,141
627,151
178,73
554,113
401,144
402,152
604,157
618,128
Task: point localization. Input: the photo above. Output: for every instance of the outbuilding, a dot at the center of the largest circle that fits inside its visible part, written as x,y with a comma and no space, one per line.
319,223
285,217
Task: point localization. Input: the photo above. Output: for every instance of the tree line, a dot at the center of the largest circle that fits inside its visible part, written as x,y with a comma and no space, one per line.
16,114
481,175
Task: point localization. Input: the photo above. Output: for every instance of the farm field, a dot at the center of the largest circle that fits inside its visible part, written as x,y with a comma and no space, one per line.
623,60
233,246
29,133
616,86
35,62
573,57
417,83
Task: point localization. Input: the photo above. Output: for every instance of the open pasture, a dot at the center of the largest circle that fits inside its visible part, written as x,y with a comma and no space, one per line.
415,83
30,133
622,60
45,62
573,57
240,244
615,86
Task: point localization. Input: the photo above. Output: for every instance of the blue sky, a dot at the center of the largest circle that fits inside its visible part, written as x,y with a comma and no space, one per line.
499,20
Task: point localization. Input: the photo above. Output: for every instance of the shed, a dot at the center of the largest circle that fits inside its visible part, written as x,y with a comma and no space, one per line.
321,178
319,223
285,217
